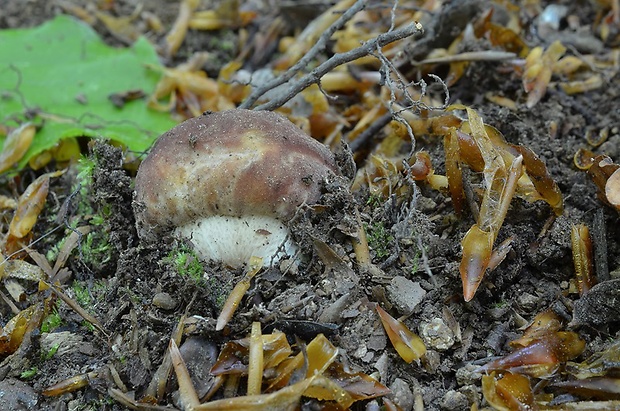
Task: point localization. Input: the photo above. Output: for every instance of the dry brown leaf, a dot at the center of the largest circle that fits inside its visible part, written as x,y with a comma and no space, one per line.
509,392
15,146
175,37
538,70
29,205
409,346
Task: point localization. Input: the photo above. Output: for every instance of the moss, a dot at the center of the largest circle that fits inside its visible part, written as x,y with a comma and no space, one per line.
131,295
52,351
88,326
96,404
29,373
415,262
219,292
51,322
379,239
86,168
374,201
82,295
186,262
96,249
99,289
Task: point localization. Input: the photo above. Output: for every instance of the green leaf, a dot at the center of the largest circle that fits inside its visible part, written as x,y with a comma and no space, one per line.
62,73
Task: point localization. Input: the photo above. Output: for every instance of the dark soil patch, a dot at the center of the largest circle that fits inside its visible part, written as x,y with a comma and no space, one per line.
137,294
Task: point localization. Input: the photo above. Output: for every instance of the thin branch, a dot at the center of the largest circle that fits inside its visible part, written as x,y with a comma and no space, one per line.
305,61
338,59
370,132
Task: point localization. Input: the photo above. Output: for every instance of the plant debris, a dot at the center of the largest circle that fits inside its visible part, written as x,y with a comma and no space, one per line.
477,206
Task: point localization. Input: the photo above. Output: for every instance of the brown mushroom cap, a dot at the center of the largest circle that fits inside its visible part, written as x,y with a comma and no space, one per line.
231,163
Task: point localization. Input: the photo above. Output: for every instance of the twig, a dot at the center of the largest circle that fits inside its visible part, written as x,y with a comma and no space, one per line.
77,308
303,62
341,58
370,132
8,302
485,55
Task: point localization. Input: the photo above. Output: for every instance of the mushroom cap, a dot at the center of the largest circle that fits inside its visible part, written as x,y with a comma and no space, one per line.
232,163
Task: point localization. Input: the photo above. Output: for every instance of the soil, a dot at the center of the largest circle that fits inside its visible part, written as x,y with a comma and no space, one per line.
138,296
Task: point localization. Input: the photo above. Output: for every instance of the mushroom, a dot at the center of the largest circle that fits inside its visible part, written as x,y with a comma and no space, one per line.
229,182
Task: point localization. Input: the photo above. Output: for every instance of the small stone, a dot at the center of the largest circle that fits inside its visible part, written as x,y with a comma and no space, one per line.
164,301
437,334
346,314
424,204
468,375
405,294
601,305
454,401
361,351
382,365
528,301
472,393
17,395
63,342
377,342
611,147
333,312
402,394
431,361
199,355
368,357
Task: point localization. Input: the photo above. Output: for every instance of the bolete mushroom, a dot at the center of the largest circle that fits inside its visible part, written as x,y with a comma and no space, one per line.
229,182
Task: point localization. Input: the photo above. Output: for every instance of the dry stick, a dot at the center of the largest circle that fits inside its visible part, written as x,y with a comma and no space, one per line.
600,247
8,302
341,58
77,308
304,61
187,392
370,132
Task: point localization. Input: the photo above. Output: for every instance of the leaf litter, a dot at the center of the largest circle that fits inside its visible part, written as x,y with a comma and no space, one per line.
436,187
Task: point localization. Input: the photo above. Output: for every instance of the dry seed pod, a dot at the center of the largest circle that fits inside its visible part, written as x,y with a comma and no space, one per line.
612,189
542,357
582,257
230,182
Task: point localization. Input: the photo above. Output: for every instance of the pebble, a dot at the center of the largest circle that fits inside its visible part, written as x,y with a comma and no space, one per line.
405,294
382,366
16,395
472,392
361,351
611,147
454,401
431,360
468,375
333,313
377,342
437,334
164,301
528,301
200,354
402,394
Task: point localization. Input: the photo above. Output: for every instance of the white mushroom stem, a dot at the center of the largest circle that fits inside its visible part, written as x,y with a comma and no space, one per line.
234,240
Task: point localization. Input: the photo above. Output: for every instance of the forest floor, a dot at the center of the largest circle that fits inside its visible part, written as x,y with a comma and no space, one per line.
139,293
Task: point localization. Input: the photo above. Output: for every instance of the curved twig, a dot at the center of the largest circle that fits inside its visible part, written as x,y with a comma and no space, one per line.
336,60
